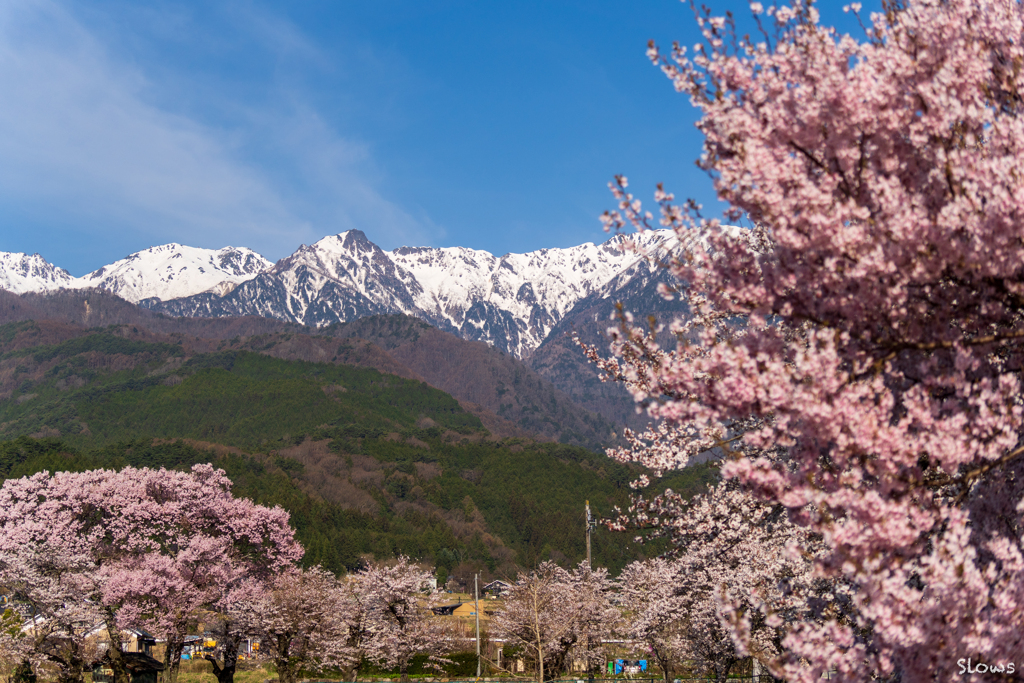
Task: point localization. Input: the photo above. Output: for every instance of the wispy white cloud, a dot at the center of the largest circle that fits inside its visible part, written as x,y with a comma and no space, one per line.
83,137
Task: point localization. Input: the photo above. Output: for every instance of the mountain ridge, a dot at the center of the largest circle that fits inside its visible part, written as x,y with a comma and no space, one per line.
511,302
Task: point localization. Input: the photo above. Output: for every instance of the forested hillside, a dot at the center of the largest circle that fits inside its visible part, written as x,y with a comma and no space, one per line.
487,377
508,397
368,463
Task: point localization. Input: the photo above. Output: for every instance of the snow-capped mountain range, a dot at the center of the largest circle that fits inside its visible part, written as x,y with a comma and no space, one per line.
165,272
512,301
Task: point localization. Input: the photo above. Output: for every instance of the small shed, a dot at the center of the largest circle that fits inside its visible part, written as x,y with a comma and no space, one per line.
444,610
463,609
141,667
468,609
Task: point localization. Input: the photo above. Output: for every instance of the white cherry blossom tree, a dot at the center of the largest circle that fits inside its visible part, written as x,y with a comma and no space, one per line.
396,600
559,617
301,622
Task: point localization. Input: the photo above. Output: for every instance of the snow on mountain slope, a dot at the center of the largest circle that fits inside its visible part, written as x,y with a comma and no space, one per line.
451,279
512,302
536,288
354,274
20,273
173,271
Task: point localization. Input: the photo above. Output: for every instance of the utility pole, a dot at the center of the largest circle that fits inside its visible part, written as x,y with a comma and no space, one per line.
476,611
589,524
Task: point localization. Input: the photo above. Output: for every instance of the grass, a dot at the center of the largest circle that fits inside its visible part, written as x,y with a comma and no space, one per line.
202,672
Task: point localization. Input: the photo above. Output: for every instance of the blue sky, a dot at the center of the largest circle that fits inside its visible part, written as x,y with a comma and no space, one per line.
492,125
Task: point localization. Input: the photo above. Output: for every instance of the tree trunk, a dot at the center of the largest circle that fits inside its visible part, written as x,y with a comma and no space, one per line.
229,640
665,664
175,646
165,675
540,642
172,657
72,667
404,671
722,670
115,655
283,661
71,676
24,673
285,671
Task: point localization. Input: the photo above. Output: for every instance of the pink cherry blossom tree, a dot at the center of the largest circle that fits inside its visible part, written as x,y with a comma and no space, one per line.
52,610
52,594
302,622
160,545
398,619
856,356
533,615
51,571
357,623
593,616
195,548
15,649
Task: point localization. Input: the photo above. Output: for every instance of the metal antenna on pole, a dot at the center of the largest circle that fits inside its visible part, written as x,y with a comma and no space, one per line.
590,523
476,611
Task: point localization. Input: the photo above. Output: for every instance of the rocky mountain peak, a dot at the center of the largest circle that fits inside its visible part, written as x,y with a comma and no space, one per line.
22,273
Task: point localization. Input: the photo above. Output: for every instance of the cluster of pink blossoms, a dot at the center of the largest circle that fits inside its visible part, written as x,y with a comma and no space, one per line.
140,548
737,574
856,356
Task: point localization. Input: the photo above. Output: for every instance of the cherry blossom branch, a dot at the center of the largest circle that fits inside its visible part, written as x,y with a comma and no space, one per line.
945,344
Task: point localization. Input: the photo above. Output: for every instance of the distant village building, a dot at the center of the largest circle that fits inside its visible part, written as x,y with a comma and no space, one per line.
132,639
141,667
462,609
496,588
